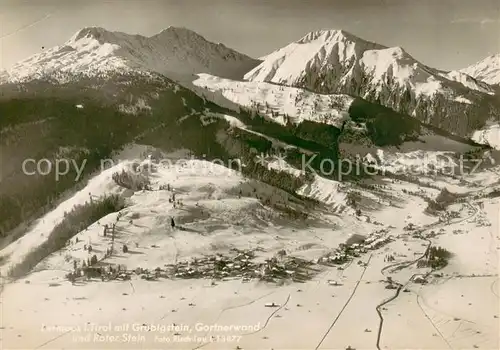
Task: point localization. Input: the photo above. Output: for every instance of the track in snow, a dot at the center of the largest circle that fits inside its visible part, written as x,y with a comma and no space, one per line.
345,305
235,307
409,263
433,324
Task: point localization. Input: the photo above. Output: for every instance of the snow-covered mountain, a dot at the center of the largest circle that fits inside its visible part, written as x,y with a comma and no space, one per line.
342,57
487,70
335,61
94,51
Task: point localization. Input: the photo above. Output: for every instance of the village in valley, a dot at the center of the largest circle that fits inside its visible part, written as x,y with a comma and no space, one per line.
176,232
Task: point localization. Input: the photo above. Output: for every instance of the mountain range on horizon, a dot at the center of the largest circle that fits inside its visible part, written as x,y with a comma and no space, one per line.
96,51
325,62
152,53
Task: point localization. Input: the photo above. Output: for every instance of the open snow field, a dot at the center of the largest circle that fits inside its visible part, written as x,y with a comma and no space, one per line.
275,101
489,135
458,310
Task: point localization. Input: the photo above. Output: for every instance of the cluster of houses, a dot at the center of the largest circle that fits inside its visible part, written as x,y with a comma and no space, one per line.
99,272
410,227
433,233
240,264
356,246
216,267
447,216
417,231
377,240
480,220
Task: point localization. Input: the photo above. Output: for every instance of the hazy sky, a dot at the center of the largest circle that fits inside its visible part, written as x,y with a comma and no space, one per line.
446,34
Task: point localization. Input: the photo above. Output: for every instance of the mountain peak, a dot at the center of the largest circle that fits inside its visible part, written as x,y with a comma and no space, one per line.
314,52
328,35
185,35
97,33
335,36
103,35
180,31
175,29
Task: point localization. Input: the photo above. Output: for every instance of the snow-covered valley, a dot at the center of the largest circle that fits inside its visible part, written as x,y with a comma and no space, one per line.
220,210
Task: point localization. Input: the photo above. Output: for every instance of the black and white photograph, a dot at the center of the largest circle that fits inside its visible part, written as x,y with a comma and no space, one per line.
249,174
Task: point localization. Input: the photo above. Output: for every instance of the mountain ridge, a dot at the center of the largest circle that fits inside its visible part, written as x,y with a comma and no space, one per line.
175,51
487,69
350,46
336,61
325,61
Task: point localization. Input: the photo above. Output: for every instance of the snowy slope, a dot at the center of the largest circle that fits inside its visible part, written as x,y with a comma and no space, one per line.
101,185
208,191
467,81
327,191
277,101
96,51
487,70
412,163
489,135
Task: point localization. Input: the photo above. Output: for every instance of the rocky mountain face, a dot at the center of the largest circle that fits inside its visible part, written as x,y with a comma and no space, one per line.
335,61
